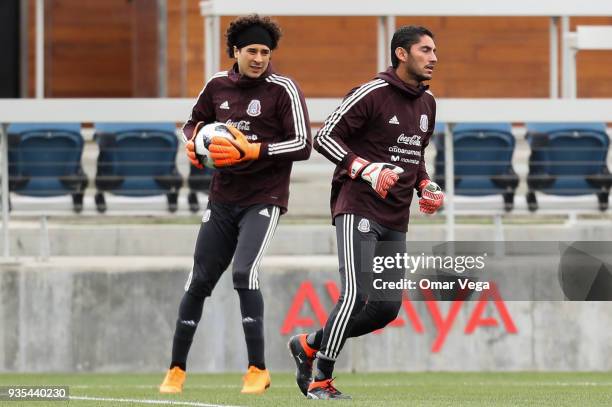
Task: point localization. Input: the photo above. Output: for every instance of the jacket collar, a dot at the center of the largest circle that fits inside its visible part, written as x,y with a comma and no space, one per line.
392,79
246,82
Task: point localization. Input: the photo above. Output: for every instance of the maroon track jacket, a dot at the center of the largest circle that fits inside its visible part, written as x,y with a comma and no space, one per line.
270,110
384,120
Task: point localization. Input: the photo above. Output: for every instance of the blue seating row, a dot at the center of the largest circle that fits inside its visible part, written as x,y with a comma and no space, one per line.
135,159
566,159
139,159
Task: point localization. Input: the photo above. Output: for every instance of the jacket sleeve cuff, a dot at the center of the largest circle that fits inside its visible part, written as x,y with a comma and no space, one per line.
419,183
348,160
263,150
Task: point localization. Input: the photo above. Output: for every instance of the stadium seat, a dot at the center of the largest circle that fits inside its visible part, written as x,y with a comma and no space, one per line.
198,181
568,159
482,158
45,160
137,159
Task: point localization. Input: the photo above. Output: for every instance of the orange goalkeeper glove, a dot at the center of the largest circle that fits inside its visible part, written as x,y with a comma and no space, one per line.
225,152
190,147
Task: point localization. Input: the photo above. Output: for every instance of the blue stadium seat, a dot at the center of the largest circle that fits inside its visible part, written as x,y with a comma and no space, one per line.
483,160
198,181
439,129
137,159
45,160
568,159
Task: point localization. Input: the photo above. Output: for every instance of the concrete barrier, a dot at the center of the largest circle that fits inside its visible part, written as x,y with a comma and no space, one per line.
290,239
113,314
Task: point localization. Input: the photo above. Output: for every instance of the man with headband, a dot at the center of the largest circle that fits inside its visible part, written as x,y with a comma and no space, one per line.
249,190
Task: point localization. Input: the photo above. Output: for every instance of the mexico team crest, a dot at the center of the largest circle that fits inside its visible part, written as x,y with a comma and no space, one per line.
254,108
364,225
424,123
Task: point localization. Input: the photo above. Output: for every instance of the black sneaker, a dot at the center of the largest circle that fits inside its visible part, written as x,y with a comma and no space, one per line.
303,355
325,390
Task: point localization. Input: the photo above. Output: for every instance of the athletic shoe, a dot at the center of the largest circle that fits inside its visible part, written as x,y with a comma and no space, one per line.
256,381
325,390
173,382
304,356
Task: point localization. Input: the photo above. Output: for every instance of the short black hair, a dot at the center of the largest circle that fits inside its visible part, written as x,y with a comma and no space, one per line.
405,37
242,23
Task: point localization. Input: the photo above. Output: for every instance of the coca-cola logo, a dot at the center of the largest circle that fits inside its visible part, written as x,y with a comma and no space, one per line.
410,140
242,125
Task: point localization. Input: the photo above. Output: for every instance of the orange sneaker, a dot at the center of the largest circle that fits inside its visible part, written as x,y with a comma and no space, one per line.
256,381
173,382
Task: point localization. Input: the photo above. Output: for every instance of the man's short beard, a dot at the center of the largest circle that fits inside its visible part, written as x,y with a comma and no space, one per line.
420,78
417,76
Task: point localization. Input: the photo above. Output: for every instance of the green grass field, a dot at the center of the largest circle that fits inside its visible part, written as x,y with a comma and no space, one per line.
378,389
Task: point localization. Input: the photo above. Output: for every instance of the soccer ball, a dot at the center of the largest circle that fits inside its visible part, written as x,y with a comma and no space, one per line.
203,139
